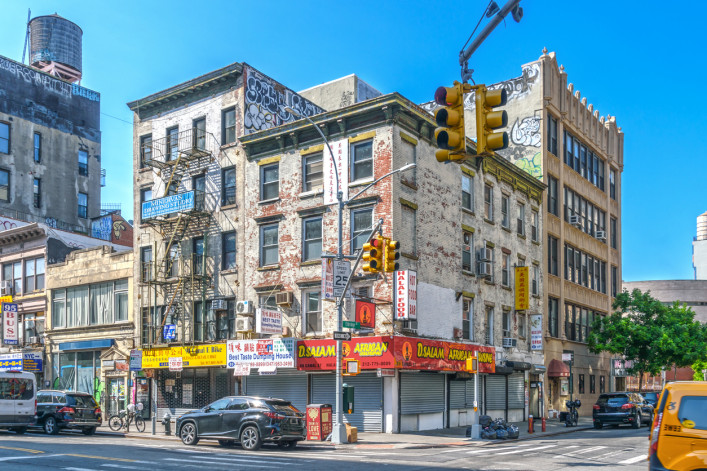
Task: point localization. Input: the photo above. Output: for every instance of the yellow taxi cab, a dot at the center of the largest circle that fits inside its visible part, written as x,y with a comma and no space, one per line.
678,439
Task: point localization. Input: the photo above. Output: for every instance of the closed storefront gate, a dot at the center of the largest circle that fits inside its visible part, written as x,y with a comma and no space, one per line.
290,385
461,401
191,388
495,395
422,394
368,399
516,396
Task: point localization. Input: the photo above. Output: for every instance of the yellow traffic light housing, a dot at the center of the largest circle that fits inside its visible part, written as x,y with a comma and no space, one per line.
450,136
351,367
488,140
373,255
472,365
391,255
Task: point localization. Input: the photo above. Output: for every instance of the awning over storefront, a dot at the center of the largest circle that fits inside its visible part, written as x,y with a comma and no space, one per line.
558,369
87,345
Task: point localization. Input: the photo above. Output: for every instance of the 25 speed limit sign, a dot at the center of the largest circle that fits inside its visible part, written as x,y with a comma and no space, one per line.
342,271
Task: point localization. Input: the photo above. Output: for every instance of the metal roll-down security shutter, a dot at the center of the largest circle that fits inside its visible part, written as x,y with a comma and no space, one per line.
421,393
495,392
461,393
290,385
368,399
516,391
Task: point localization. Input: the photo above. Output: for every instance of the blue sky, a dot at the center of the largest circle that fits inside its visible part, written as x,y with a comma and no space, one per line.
638,61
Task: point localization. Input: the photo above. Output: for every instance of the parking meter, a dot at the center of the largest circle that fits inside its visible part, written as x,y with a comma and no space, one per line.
348,403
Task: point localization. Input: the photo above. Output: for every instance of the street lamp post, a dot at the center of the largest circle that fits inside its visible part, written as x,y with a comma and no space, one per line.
339,431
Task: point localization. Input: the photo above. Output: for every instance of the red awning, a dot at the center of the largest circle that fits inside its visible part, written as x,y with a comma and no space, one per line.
557,369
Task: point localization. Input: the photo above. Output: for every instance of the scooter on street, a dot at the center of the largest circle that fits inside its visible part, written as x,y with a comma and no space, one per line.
572,415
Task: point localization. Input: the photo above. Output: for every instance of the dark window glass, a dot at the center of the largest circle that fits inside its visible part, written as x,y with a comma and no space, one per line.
361,226
145,149
198,255
83,163
581,384
551,134
4,138
553,320
228,187
694,408
199,134
172,143
312,238
269,182
37,147
146,262
228,126
37,192
4,185
268,245
228,259
83,205
361,160
613,235
592,384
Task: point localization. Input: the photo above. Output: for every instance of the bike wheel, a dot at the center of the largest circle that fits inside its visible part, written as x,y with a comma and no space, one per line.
140,424
115,423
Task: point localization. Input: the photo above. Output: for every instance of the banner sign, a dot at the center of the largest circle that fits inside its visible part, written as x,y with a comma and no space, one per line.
522,289
371,352
366,314
9,323
168,204
340,158
327,278
175,364
11,361
135,360
32,361
201,355
278,353
536,332
422,354
268,321
405,295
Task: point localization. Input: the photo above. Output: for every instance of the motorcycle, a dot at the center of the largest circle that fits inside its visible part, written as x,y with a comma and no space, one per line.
572,415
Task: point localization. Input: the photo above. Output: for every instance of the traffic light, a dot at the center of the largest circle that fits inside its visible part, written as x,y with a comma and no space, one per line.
488,140
373,255
391,255
450,135
472,365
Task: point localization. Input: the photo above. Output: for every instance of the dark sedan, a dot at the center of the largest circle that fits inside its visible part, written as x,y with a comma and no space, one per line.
247,420
622,408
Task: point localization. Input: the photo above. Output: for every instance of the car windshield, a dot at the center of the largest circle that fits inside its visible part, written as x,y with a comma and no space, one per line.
613,401
283,406
693,408
80,401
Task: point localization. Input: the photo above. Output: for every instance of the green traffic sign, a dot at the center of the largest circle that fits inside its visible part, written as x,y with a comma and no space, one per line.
352,325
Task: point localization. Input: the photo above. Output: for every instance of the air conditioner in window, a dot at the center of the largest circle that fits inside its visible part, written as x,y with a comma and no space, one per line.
284,298
6,288
410,327
485,254
245,307
484,268
34,340
244,324
218,305
601,235
509,342
574,220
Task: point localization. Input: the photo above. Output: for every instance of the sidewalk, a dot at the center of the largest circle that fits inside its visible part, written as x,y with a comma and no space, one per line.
441,438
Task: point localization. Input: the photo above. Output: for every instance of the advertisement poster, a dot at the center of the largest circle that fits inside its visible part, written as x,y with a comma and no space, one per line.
268,321
327,278
135,360
9,323
423,354
11,361
536,332
175,364
278,353
366,314
168,204
32,362
201,355
187,393
522,289
405,283
372,353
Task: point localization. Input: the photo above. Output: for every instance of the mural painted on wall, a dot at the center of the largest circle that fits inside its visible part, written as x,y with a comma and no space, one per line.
266,100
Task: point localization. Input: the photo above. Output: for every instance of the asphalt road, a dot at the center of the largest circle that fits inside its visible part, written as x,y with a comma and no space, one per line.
610,449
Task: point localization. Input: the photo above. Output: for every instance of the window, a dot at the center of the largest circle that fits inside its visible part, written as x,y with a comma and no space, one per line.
12,272
197,244
228,186
37,147
268,245
269,182
468,318
581,384
614,281
535,283
507,323
228,250
361,227
37,192
467,245
592,384
551,134
570,323
94,304
361,160
228,126
145,149
505,219
313,172
34,275
488,202
409,155
226,321
612,183
121,300
4,138
172,143
552,206
521,325
199,133
4,185
146,263
553,317
312,238
505,269
172,258
83,163
583,161
534,226
267,300
83,205
145,194
584,269
602,385
312,313
489,325
467,192
33,328
613,235
521,219
409,229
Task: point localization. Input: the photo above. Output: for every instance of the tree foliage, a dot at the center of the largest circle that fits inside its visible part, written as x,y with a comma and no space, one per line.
650,333
697,368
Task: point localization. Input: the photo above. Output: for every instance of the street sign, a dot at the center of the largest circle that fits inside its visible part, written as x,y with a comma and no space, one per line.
566,357
342,336
342,271
352,325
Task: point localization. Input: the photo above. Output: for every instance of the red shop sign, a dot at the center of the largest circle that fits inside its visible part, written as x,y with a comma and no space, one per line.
437,355
371,352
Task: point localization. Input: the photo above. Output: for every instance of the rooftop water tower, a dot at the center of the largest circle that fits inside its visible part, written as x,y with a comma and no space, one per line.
55,47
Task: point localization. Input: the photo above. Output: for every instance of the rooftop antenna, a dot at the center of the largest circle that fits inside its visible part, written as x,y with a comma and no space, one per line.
24,49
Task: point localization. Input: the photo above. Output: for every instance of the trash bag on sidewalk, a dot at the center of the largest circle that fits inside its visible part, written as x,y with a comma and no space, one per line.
512,431
488,434
485,420
501,434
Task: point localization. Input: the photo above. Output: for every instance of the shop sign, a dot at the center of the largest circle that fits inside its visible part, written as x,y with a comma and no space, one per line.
9,323
168,204
366,314
437,355
268,321
32,362
536,332
175,364
241,369
522,291
405,295
122,365
278,353
198,355
385,372
371,352
135,360
5,299
11,361
328,279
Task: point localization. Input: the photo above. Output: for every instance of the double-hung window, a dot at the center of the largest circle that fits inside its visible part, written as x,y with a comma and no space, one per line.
34,274
505,218
612,183
521,219
83,205
468,318
488,202
534,228
4,138
467,250
506,270
4,185
268,245
269,182
199,134
467,192
37,147
552,134
613,227
228,186
312,238
313,172
361,227
552,203
83,163
145,149
535,282
146,263
228,249
489,325
228,126
312,312
507,326
553,317
361,160
37,192
172,143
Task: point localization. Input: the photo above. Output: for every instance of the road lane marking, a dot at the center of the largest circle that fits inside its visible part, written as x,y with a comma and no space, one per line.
635,459
525,450
579,452
201,463
106,458
28,450
79,469
11,458
242,458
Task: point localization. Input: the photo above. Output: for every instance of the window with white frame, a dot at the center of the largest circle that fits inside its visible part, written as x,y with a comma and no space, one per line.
468,318
505,218
228,126
269,182
94,304
311,312
361,160
507,327
534,228
467,247
467,192
12,273
488,202
535,283
361,227
521,219
489,325
506,269
313,172
268,245
312,238
34,274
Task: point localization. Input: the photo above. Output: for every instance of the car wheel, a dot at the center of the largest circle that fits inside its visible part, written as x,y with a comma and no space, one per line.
50,426
226,443
287,444
88,430
250,438
637,423
19,430
598,425
188,434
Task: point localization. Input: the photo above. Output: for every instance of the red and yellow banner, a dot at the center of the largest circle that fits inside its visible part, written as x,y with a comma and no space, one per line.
422,354
522,289
371,352
366,314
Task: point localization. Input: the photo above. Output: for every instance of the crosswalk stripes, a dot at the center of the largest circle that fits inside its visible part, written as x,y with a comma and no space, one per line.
635,459
594,453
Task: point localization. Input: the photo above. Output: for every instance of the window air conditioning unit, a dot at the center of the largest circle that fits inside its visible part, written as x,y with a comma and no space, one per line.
509,342
245,307
6,288
601,235
218,305
34,340
484,268
284,298
244,324
485,254
574,220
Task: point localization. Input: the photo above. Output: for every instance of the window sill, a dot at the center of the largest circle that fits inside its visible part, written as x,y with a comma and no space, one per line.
270,201
310,194
489,221
230,271
468,272
507,229
361,182
229,206
507,288
489,282
468,211
408,183
313,335
269,268
522,236
309,263
145,170
535,242
229,145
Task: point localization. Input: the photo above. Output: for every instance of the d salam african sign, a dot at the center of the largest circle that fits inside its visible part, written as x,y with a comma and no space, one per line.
371,352
423,354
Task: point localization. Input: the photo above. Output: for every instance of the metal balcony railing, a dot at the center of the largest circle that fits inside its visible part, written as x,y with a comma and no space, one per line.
187,145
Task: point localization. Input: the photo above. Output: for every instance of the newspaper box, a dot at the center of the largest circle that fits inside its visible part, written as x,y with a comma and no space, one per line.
319,421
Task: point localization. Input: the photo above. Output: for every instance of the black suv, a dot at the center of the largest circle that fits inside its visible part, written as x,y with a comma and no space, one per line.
622,408
67,409
246,420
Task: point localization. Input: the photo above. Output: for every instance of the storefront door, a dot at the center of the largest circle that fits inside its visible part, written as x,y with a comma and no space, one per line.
116,399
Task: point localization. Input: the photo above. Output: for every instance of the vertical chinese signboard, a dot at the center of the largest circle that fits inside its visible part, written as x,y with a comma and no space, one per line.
522,291
9,323
405,295
536,332
341,160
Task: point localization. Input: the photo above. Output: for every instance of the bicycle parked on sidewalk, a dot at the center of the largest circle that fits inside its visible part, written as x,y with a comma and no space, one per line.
125,417
572,415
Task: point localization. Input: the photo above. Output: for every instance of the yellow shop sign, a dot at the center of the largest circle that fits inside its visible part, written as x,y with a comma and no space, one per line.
193,356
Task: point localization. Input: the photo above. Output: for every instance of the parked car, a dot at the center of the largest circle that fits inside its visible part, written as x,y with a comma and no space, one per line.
651,397
17,404
58,410
622,408
246,420
680,428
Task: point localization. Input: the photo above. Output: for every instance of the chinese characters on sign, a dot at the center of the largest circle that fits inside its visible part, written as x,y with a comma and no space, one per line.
202,355
536,332
175,363
522,291
278,353
268,321
405,295
9,323
327,278
341,157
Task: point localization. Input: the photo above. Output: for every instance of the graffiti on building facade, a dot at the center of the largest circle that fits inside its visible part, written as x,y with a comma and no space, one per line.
101,228
526,132
118,228
49,83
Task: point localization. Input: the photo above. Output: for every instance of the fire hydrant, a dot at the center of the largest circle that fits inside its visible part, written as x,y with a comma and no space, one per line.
530,424
543,423
167,422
